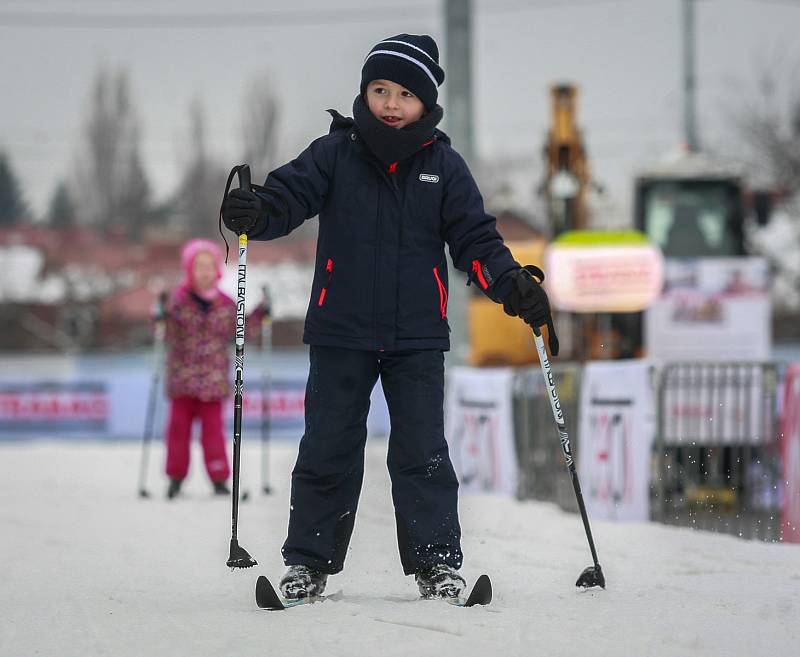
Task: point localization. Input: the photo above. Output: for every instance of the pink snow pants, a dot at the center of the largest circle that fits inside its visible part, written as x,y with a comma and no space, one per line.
183,411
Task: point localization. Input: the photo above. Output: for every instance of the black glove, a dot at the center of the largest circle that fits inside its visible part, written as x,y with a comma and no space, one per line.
528,300
244,211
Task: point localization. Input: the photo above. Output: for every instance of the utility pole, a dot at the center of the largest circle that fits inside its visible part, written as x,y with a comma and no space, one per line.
458,85
689,80
458,82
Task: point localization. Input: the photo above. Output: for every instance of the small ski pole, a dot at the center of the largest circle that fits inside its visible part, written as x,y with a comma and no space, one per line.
159,319
266,388
239,557
592,575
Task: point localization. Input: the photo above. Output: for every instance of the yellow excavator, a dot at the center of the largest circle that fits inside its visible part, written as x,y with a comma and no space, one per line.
496,338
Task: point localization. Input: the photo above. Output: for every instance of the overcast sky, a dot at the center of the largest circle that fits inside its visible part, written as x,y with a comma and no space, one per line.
624,55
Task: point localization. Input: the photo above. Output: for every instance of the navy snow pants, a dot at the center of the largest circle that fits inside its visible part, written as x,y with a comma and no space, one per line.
326,480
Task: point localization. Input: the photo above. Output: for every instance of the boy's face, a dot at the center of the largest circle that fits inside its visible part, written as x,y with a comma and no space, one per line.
396,106
204,271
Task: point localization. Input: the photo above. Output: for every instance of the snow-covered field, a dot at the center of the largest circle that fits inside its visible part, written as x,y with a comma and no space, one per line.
90,569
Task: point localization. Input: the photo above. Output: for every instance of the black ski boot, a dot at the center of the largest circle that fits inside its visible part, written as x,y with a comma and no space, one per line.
440,581
174,488
221,488
302,582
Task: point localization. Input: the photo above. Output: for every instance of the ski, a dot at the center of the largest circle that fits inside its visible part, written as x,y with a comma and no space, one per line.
481,594
268,598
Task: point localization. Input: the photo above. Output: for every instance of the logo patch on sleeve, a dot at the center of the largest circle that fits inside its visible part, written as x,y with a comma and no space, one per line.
429,177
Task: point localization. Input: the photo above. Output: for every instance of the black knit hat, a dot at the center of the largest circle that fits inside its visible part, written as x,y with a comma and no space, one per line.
411,60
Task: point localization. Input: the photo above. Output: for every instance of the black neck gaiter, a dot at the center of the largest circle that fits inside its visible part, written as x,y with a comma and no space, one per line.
392,144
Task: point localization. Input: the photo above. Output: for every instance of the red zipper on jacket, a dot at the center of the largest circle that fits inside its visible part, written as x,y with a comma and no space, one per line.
442,293
476,267
329,269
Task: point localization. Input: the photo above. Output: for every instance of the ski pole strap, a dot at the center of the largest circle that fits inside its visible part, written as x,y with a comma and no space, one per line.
535,273
243,170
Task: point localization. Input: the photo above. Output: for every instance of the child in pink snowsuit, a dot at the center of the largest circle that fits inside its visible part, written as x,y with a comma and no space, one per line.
200,327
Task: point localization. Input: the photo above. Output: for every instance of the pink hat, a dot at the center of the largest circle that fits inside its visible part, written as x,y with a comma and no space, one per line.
189,253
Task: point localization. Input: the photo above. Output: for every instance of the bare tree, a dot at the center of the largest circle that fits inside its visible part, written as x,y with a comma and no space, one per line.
201,189
112,188
259,126
766,122
260,116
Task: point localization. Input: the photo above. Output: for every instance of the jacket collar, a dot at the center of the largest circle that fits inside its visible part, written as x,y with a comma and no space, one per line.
389,144
340,123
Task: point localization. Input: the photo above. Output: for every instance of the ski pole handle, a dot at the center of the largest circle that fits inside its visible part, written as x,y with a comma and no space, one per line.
160,313
244,176
267,302
159,318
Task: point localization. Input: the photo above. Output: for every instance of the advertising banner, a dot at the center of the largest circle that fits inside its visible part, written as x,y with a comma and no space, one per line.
711,309
616,430
790,439
105,397
479,429
79,406
603,271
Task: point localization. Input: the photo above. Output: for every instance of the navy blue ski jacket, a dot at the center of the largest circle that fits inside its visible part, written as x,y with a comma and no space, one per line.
380,281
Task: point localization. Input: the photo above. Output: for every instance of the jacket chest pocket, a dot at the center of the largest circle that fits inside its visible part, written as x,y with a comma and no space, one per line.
424,200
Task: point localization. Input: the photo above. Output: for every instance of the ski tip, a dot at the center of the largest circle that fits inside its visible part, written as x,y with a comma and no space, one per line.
266,596
481,593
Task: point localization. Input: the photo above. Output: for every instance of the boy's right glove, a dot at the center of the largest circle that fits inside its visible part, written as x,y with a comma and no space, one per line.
529,301
244,211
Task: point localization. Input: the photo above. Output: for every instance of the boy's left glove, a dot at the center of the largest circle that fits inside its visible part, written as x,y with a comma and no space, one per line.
529,301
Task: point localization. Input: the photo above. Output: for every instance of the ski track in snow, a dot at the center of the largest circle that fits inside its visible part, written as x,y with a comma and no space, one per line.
90,569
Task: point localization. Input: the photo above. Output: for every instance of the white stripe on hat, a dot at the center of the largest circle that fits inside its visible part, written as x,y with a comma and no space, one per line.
394,53
410,45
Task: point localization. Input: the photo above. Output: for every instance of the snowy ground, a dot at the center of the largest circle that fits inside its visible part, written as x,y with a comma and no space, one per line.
90,569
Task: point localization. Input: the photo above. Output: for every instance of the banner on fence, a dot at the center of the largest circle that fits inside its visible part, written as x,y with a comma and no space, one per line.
479,429
615,435
76,406
711,309
790,438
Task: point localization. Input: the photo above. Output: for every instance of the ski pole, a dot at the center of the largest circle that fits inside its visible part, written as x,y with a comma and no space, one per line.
592,575
239,558
266,388
159,319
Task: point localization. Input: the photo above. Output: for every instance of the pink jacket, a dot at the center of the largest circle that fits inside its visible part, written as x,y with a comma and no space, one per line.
199,332
199,345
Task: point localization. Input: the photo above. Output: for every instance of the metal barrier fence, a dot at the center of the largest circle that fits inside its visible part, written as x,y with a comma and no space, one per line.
717,457
716,461
542,473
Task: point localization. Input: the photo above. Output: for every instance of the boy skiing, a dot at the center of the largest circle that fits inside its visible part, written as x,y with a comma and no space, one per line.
390,193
